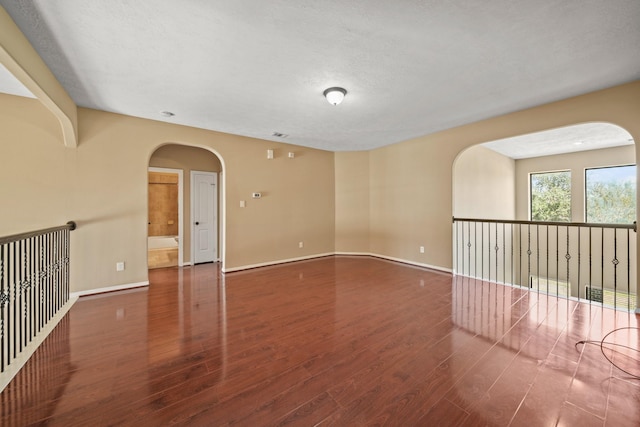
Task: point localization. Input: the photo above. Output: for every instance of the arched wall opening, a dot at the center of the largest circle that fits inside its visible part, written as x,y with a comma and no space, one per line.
188,158
493,181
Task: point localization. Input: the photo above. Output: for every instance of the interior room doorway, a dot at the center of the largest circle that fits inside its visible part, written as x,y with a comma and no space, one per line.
202,170
164,218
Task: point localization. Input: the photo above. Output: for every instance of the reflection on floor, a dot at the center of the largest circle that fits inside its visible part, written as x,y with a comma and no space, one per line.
337,341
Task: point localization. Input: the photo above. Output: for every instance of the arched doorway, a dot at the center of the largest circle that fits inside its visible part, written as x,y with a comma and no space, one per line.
490,180
176,165
499,187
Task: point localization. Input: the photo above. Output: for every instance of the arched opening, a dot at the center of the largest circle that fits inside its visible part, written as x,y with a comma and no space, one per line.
185,290
175,175
520,196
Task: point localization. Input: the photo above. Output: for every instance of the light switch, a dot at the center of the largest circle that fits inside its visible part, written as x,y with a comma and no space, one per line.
242,204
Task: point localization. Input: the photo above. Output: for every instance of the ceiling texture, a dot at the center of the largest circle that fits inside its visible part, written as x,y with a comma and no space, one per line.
255,67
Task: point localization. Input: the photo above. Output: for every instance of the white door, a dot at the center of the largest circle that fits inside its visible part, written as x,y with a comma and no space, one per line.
204,226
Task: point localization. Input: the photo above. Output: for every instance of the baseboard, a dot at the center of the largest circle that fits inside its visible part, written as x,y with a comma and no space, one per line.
27,352
284,261
269,263
110,289
400,260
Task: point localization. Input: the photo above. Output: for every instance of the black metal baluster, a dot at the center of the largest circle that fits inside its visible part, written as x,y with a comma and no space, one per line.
475,249
481,250
520,244
513,270
40,283
538,257
579,258
568,257
529,284
504,254
497,249
60,271
488,251
590,267
3,302
469,246
18,306
11,321
31,293
456,246
557,256
67,265
51,274
629,272
547,260
615,269
602,264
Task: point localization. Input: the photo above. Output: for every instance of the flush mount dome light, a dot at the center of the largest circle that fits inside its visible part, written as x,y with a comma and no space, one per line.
335,95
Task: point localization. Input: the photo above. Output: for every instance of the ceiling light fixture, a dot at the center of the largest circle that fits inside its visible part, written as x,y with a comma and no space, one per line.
335,95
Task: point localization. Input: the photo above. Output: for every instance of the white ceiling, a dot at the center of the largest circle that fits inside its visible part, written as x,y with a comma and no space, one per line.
582,137
255,67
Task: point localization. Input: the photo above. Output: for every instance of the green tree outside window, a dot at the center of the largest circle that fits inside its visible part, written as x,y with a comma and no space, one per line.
551,196
611,194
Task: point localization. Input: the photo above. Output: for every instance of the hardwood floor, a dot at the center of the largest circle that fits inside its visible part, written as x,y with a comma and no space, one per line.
335,341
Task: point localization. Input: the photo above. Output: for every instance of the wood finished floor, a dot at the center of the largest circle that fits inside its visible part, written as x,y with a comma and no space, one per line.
336,341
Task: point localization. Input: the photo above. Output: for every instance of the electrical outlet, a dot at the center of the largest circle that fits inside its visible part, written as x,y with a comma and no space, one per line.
120,266
421,249
301,245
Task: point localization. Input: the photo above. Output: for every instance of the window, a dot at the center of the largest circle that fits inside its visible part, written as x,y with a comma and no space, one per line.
611,194
551,196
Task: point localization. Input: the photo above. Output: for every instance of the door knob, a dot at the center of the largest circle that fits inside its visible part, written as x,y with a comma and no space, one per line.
197,223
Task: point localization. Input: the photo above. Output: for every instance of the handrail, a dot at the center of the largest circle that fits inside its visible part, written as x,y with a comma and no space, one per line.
552,223
71,225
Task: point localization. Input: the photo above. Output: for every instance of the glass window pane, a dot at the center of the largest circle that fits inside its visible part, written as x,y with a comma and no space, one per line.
611,195
551,196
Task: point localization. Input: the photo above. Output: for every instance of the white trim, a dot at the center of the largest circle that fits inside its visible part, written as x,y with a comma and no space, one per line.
222,215
110,289
27,352
180,210
369,254
404,261
269,263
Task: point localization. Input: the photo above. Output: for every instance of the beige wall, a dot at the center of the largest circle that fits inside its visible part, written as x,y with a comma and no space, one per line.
34,167
102,183
411,182
352,202
187,159
576,163
103,186
484,185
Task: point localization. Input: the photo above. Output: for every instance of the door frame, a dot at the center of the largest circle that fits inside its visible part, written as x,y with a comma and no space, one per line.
216,210
180,173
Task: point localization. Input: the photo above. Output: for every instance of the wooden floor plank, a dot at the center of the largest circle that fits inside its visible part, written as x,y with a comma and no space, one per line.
333,341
